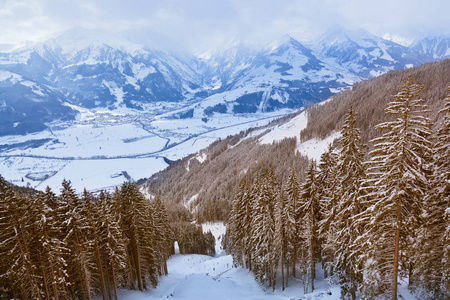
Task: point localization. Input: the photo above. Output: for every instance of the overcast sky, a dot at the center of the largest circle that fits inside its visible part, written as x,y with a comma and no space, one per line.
198,24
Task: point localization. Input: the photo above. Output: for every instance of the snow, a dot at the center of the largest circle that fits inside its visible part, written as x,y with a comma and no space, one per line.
94,150
314,148
287,130
196,277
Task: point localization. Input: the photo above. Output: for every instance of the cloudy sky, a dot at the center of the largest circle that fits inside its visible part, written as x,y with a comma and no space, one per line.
199,24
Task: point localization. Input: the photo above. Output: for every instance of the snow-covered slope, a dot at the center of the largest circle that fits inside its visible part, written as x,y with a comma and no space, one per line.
200,277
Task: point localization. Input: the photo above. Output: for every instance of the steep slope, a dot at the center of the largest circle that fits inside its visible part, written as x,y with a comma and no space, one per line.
369,98
207,181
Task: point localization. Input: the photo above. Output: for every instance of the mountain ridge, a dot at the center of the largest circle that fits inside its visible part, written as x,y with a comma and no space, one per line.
133,70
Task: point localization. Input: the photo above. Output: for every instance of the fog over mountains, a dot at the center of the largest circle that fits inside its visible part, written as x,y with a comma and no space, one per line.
135,70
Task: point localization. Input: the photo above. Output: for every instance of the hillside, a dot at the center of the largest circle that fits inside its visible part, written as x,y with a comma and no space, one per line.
205,182
369,98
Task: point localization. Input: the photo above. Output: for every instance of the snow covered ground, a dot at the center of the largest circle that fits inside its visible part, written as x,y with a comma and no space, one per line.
102,149
196,277
312,148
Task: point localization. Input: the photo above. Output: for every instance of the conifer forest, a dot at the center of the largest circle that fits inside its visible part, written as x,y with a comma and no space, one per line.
367,214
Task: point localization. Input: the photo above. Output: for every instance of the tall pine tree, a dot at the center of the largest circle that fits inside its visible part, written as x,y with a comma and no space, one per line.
393,191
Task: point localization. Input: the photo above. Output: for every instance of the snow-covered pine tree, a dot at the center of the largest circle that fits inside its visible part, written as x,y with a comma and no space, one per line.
238,231
281,236
265,260
164,240
93,219
433,247
137,226
17,273
309,211
48,248
75,228
293,221
328,201
350,171
394,187
112,245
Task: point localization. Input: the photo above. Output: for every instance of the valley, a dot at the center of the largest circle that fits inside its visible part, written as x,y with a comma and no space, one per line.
100,150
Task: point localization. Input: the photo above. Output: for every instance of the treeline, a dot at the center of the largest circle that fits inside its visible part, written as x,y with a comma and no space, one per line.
72,247
368,218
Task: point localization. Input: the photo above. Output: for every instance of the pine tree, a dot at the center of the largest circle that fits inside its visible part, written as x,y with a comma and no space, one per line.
164,238
75,229
48,246
309,210
263,230
328,200
112,245
350,171
395,186
282,241
136,218
293,223
16,265
433,247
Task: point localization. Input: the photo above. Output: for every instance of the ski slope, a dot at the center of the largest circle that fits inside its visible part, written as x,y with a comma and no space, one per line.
196,277
201,277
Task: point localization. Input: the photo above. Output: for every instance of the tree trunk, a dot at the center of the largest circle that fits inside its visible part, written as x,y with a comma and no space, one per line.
396,250
100,270
282,272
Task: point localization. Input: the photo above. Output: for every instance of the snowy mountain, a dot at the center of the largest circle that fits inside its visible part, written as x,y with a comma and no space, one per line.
135,70
434,47
365,54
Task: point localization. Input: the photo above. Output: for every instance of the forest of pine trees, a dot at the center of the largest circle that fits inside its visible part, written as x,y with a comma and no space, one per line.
368,214
80,247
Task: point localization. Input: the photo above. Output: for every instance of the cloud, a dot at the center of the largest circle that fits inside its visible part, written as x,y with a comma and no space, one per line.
199,24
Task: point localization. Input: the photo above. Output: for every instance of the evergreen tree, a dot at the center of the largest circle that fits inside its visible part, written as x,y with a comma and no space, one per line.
433,247
265,260
75,229
328,200
17,275
163,235
309,210
395,186
112,245
293,223
282,241
350,171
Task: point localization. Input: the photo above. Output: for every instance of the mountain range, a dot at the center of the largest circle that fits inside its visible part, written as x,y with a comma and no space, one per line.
132,71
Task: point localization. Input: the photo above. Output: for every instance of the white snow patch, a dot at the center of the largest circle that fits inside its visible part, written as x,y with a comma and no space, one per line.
314,148
287,130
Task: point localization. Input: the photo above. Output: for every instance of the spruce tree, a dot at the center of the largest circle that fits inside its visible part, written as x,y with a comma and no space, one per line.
328,200
293,220
433,244
350,171
75,229
17,275
309,210
263,227
393,191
